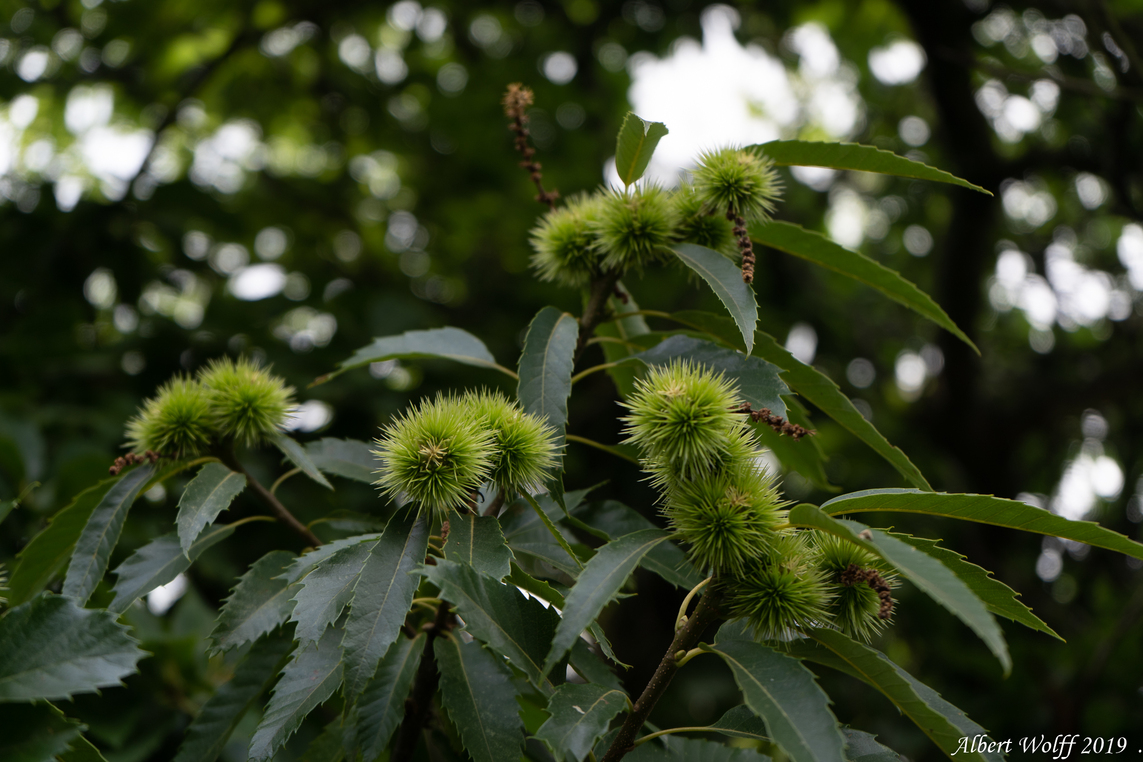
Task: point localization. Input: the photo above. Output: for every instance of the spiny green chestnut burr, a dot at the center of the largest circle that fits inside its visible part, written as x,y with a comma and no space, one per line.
738,451
682,414
738,181
782,593
697,224
728,519
247,402
523,451
176,422
565,249
436,453
856,606
634,226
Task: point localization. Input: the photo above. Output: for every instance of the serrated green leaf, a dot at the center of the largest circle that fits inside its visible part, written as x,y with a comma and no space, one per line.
597,584
100,535
330,745
580,716
781,691
307,681
382,703
478,542
725,279
382,597
815,247
477,691
352,522
437,343
313,557
157,563
740,722
611,518
929,575
325,590
997,597
81,750
635,145
529,539
819,389
675,749
617,334
348,458
591,667
984,509
258,603
50,648
209,493
546,367
41,559
516,627
758,380
36,733
297,455
938,719
255,673
864,747
855,157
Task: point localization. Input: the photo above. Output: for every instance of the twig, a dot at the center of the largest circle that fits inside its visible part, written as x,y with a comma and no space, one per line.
685,639
776,422
280,511
516,102
497,503
595,312
424,686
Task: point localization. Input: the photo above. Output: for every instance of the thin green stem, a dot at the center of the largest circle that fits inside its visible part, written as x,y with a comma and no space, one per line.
282,478
638,313
668,731
506,371
280,511
594,369
680,620
248,519
552,528
681,661
600,446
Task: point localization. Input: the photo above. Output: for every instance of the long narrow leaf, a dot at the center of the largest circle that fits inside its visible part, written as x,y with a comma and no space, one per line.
382,597
477,691
984,509
259,603
382,703
209,493
725,279
610,518
101,534
297,455
781,691
580,716
348,458
324,592
853,156
597,584
478,541
546,367
815,247
931,576
157,563
437,343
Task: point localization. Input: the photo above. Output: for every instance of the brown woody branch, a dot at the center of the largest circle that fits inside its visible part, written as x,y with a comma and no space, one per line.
425,684
280,511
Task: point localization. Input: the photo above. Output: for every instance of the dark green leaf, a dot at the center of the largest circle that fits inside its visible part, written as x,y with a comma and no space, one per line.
36,733
529,539
853,156
725,279
597,584
348,458
477,691
328,587
938,719
931,576
442,343
307,681
351,522
330,745
781,691
864,747
546,367
740,722
40,561
100,535
635,145
382,597
757,380
259,603
815,247
516,627
208,733
157,563
382,703
984,509
617,334
50,648
591,667
297,455
819,389
613,519
478,542
208,494
997,597
580,716
81,750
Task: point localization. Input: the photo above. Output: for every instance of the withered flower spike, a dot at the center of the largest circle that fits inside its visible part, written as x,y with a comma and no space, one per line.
776,422
516,102
854,575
